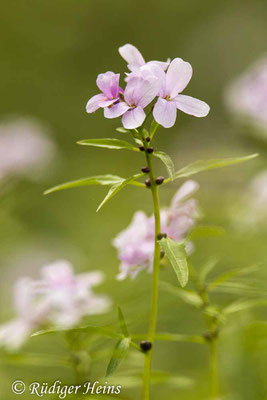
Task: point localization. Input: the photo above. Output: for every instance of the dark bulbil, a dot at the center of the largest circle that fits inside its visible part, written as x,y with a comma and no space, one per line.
147,182
160,180
146,170
141,148
149,150
161,235
145,345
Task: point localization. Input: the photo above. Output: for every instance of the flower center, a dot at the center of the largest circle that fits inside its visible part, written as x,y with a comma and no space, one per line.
168,98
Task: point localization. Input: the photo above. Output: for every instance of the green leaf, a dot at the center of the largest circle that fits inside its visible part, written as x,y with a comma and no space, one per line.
122,130
241,305
99,330
231,274
117,187
122,321
206,269
153,128
187,296
201,231
166,159
108,144
175,252
173,337
205,165
92,180
119,353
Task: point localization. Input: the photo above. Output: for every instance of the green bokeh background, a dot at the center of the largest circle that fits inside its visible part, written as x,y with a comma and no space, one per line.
51,53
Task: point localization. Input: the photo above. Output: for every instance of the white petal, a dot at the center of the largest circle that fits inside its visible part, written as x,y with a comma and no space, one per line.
178,76
132,55
192,106
133,118
116,110
165,112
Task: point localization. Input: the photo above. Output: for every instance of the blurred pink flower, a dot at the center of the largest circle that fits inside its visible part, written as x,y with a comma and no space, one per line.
135,244
247,95
25,149
175,81
59,299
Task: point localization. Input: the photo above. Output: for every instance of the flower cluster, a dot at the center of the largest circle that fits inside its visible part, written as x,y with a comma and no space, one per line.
24,148
145,82
135,244
59,299
247,95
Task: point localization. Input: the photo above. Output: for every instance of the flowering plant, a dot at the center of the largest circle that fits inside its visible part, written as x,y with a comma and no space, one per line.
150,100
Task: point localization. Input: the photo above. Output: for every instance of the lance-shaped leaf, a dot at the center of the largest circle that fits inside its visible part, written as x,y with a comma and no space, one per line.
119,353
202,231
224,277
205,165
153,128
91,180
122,130
241,305
176,254
206,270
172,337
166,159
117,187
88,329
122,322
187,296
108,144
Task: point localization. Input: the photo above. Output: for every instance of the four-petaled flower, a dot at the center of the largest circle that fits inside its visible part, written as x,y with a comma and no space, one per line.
175,81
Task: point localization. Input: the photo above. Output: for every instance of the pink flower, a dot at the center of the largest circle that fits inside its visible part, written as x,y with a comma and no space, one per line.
25,149
247,95
108,83
59,299
138,93
135,244
135,59
30,315
70,296
175,81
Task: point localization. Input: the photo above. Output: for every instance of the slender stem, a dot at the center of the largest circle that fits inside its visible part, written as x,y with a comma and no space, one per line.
155,281
213,368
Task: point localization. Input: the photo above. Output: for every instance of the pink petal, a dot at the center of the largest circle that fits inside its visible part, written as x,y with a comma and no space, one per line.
187,189
192,106
132,56
108,83
162,64
165,112
133,118
140,91
107,103
93,104
116,110
178,76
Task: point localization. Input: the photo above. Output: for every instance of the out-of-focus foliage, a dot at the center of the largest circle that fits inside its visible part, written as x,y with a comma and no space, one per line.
51,53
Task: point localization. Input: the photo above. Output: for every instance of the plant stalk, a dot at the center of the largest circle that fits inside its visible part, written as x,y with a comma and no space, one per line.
155,281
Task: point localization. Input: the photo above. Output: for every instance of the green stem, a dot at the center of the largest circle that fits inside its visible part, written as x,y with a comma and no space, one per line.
155,281
213,368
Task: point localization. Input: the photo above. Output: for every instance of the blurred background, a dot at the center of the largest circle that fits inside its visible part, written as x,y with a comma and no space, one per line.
51,53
